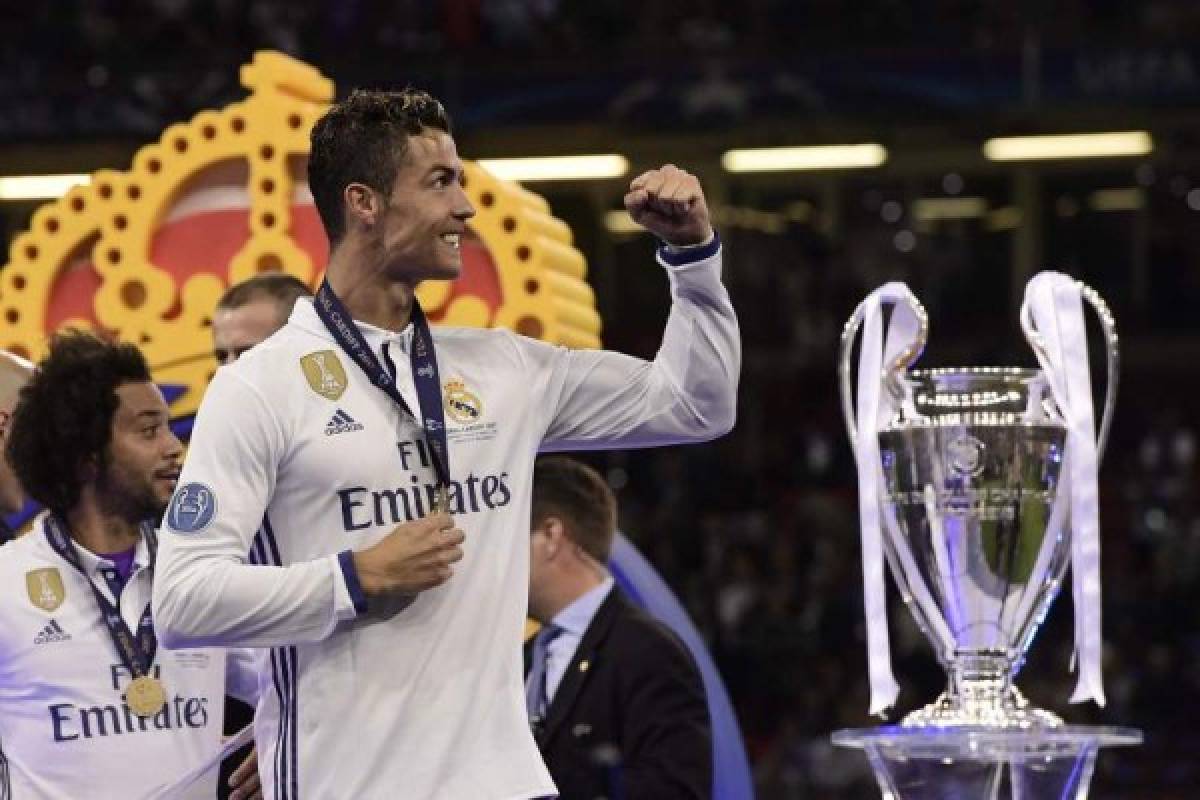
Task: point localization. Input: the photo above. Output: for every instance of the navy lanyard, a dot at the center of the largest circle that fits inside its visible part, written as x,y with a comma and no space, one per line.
424,371
136,652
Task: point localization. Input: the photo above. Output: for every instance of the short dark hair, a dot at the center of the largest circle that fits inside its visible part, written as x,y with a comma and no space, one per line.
574,492
281,287
64,414
364,139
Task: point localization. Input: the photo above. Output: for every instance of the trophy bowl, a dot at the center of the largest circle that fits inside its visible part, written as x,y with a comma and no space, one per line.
971,462
978,489
970,486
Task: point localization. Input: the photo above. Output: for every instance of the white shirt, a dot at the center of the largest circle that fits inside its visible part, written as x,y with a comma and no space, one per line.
574,621
65,730
291,470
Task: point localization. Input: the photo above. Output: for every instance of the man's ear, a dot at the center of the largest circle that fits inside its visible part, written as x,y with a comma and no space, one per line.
362,203
556,536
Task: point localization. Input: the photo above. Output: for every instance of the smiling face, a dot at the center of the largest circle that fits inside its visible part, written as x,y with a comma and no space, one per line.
143,458
418,228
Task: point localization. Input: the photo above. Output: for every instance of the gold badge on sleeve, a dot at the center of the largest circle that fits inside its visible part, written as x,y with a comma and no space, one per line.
325,374
45,587
145,696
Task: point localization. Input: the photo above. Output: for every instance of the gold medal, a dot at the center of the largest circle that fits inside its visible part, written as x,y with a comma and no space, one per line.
441,501
145,696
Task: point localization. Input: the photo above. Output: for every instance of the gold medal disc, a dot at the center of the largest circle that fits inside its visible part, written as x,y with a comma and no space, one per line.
145,696
441,502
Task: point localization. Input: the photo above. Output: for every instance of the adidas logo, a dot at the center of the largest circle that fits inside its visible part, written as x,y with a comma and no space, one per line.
341,422
53,632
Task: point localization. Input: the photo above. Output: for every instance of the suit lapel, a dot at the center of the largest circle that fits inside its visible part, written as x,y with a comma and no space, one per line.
582,664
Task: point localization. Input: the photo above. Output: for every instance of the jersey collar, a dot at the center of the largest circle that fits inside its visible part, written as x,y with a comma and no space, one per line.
96,565
305,316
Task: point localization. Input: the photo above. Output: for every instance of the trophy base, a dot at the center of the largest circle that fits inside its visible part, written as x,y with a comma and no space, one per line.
916,764
992,705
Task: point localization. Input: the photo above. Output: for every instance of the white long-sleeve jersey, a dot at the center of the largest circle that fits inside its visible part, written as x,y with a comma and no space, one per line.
296,460
66,732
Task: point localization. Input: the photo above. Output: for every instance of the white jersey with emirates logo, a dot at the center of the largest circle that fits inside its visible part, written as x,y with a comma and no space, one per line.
66,731
297,459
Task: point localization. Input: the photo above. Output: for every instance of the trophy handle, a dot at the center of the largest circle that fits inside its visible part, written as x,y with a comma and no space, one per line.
849,333
1112,356
891,372
1108,326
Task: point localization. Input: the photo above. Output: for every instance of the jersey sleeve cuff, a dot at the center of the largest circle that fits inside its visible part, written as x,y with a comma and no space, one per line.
683,256
352,601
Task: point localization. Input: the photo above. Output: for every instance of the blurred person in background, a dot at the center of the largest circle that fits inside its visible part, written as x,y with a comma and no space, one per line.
615,700
14,372
250,311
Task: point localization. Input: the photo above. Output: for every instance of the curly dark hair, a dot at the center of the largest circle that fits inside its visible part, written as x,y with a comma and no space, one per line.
364,139
64,414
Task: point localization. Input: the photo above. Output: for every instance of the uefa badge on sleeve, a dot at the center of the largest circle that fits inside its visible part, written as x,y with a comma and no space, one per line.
192,508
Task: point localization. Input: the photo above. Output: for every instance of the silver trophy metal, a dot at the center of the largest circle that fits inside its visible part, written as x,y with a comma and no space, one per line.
977,486
972,462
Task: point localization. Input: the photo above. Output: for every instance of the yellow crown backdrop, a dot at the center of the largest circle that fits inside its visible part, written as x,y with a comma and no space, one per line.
143,255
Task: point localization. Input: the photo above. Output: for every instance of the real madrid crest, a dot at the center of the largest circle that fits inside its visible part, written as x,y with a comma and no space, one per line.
45,588
463,406
325,373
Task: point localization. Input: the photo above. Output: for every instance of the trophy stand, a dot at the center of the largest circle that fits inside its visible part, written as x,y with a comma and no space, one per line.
984,764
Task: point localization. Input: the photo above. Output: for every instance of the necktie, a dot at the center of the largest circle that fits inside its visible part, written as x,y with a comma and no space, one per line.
535,687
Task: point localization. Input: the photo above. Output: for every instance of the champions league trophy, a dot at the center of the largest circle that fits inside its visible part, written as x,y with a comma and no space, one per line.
978,487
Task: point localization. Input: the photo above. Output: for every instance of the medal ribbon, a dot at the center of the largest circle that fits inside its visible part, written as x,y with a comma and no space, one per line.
1053,307
136,652
424,371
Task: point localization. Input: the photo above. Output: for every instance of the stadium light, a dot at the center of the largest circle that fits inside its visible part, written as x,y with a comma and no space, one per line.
620,222
39,187
1117,199
1074,145
1005,218
558,168
931,209
781,159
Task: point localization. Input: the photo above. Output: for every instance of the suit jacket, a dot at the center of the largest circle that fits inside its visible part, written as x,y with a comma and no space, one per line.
629,720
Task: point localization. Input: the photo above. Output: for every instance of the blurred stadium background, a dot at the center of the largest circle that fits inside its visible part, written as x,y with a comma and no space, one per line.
757,532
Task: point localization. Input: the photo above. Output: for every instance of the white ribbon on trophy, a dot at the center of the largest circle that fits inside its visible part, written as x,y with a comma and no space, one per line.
875,408
1053,310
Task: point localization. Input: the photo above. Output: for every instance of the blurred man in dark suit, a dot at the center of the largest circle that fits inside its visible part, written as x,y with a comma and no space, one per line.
615,700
